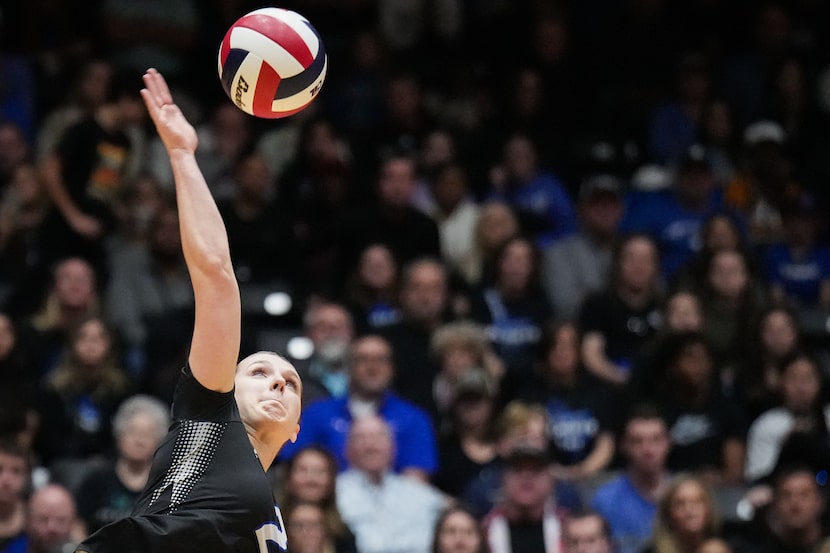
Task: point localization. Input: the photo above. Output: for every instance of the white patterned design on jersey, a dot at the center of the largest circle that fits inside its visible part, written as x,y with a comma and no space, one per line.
193,452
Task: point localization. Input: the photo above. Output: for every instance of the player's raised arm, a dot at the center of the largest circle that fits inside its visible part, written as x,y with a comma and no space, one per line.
216,334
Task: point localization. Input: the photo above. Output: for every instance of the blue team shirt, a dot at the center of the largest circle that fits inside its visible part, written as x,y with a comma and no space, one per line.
546,199
628,513
800,278
675,228
327,423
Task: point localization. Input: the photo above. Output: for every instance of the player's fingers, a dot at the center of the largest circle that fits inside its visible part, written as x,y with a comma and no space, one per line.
150,102
161,89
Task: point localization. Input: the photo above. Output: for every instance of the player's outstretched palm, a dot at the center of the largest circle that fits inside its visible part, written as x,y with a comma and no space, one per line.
175,131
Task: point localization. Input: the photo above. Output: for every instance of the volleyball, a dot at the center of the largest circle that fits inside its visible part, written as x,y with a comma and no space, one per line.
272,63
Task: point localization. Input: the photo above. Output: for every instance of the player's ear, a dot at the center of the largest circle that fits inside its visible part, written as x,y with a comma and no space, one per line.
294,435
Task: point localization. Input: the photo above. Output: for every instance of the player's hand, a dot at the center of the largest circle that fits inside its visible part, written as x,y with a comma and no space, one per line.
174,130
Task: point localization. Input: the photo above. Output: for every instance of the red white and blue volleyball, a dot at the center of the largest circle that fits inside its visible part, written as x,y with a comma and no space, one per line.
272,63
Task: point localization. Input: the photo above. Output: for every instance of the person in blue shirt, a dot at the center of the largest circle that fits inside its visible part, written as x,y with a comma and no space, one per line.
675,216
798,270
629,501
327,421
541,201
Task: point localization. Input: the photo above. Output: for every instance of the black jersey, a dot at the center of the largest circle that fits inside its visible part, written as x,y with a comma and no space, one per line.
207,491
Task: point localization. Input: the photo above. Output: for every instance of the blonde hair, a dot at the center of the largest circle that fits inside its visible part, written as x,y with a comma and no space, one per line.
664,536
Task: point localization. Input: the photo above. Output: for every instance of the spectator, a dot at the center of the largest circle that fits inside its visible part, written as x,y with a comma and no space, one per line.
794,519
797,428
72,295
369,494
775,337
458,531
310,480
513,307
23,209
80,395
580,264
148,288
682,312
673,218
581,409
390,218
20,380
327,422
731,296
707,430
496,223
372,289
329,328
14,150
541,201
466,444
424,298
259,230
307,531
587,532
51,522
798,270
14,479
85,174
518,423
722,230
629,501
455,212
687,516
526,519
458,347
617,321
437,151
107,494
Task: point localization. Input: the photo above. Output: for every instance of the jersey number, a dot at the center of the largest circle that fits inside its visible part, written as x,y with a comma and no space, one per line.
273,532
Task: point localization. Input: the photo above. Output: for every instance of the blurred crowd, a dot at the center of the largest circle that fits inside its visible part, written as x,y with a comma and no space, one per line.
556,274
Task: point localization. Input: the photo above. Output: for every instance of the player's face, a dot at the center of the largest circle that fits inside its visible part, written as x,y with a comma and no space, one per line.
268,391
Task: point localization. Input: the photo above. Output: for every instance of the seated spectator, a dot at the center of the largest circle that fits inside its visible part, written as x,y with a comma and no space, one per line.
108,493
327,422
687,516
722,230
581,408
80,396
587,532
580,264
424,305
310,480
308,532
707,430
526,518
617,321
541,201
731,296
149,285
796,429
457,530
519,423
51,523
682,312
466,443
794,521
72,295
371,291
496,223
674,217
19,378
629,500
457,347
798,270
14,471
329,328
513,307
775,336
388,512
